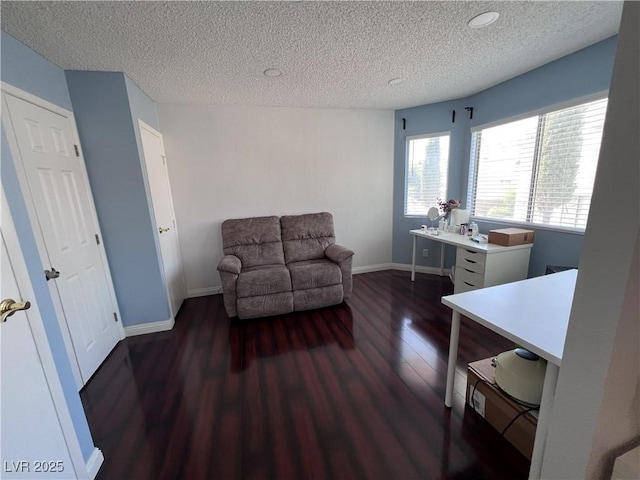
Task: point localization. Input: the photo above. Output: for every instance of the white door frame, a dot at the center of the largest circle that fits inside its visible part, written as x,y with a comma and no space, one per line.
33,218
143,125
82,469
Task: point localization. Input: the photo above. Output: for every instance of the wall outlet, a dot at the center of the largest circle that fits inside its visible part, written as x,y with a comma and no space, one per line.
425,252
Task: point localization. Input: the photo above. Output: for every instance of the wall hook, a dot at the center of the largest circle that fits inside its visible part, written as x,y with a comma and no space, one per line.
470,110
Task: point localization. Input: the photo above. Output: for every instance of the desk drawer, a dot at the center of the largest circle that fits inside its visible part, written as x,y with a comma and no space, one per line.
461,287
470,260
470,280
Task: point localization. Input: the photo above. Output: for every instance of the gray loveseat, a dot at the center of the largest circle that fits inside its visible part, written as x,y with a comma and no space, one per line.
276,265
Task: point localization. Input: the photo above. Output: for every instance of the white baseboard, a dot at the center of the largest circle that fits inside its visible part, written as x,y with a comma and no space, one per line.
419,268
372,268
152,327
203,292
94,463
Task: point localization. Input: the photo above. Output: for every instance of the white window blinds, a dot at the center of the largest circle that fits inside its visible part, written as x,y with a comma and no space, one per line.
540,169
426,172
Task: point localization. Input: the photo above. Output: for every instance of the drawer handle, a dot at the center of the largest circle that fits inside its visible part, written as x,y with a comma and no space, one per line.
470,284
470,261
470,251
467,270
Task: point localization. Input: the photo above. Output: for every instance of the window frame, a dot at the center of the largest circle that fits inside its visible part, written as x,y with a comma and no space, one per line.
473,171
422,136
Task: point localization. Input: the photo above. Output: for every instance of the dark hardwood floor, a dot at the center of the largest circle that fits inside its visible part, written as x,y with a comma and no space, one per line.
352,391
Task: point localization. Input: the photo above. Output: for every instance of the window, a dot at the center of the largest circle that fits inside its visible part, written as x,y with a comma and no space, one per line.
538,170
426,172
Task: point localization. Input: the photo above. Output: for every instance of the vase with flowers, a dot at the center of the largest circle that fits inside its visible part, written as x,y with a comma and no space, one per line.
446,207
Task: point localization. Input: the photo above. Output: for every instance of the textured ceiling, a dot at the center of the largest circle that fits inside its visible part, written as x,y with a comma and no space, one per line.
332,54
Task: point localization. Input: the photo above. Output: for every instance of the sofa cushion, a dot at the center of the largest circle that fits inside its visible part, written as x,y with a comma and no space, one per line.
263,280
314,273
255,241
265,305
317,297
305,237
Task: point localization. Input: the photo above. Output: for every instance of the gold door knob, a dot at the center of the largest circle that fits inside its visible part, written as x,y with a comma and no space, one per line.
9,306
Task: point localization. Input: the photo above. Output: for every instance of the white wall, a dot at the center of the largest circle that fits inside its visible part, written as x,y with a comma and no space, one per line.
234,162
596,404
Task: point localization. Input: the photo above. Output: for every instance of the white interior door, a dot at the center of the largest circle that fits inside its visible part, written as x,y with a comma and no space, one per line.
59,190
32,439
160,191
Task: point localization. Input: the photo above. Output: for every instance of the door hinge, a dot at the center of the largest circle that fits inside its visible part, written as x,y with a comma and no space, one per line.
77,150
115,316
97,239
164,162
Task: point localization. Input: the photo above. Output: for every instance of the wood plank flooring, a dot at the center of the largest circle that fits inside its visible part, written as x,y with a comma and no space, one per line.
348,392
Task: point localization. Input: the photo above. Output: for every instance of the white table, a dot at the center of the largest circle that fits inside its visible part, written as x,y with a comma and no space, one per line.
533,313
495,264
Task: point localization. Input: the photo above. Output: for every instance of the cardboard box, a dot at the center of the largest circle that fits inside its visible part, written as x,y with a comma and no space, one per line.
509,237
484,396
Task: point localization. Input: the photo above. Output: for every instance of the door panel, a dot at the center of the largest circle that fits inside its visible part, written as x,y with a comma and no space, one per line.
60,194
160,190
31,429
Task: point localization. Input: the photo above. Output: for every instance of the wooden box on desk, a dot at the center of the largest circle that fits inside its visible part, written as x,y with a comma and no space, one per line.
498,409
508,237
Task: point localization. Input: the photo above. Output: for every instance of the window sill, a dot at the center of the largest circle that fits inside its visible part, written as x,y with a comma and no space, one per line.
531,226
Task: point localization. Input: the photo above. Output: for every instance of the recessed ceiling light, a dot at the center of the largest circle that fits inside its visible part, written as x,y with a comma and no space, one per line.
272,72
396,81
484,19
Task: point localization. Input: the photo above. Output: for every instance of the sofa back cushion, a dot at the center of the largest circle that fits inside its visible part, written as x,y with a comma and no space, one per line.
305,237
256,241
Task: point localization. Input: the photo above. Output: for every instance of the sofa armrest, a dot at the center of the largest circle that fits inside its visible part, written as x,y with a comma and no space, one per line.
231,264
338,253
343,257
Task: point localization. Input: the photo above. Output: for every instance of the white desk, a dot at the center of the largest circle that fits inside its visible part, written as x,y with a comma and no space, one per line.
479,264
533,313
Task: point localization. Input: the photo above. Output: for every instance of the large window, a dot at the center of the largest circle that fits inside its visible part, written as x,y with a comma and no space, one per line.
538,170
426,172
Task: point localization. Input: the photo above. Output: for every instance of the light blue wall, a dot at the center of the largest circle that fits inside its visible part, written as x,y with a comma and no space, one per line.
25,69
582,73
427,119
104,112
142,107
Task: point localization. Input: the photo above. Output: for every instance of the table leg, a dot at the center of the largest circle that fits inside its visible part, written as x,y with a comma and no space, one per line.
544,417
453,358
442,259
413,260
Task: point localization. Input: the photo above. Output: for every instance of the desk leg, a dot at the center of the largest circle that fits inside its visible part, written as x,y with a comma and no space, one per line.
442,259
453,357
546,405
413,260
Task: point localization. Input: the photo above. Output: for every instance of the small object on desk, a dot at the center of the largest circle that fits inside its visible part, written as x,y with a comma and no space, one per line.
480,239
423,227
508,237
463,228
459,216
